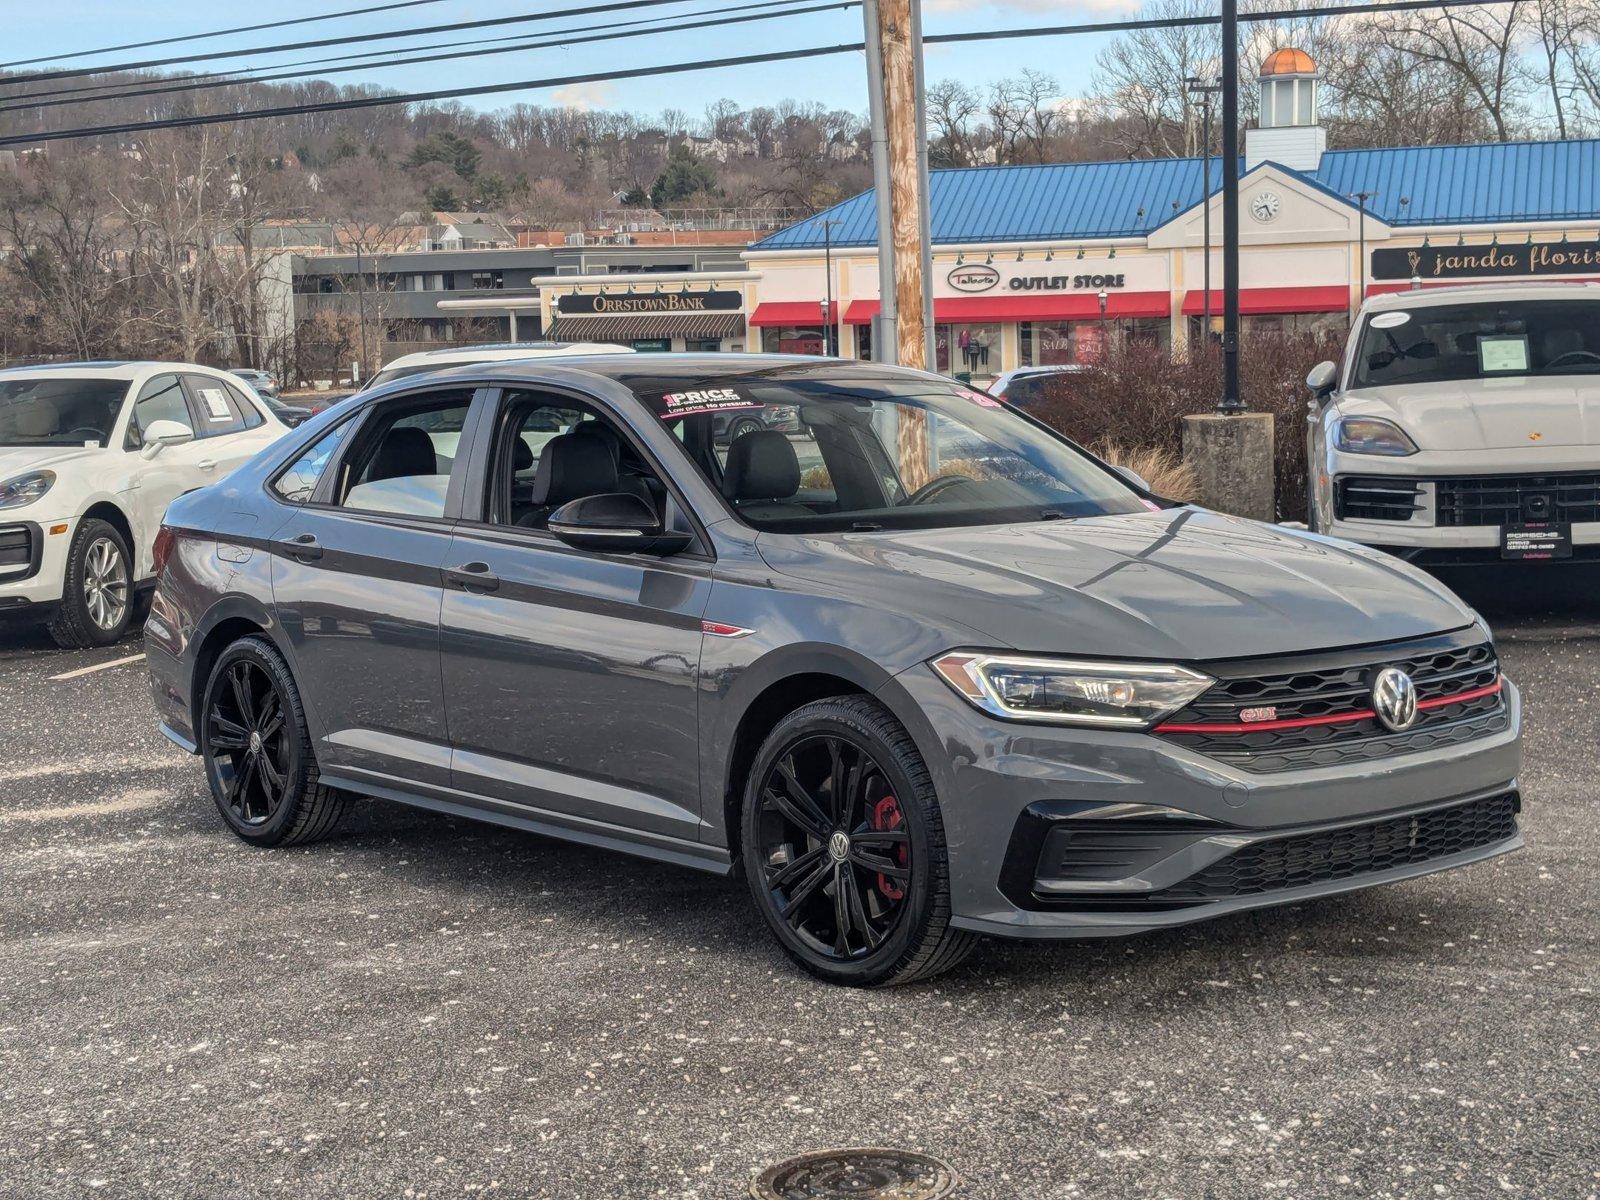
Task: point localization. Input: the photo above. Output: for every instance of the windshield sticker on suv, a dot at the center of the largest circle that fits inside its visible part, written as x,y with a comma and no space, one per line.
1390,320
1503,353
683,404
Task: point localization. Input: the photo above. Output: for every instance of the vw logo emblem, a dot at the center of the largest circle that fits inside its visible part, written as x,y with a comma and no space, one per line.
1394,698
839,845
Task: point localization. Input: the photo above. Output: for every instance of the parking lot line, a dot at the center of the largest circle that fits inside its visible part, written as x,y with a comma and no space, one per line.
105,666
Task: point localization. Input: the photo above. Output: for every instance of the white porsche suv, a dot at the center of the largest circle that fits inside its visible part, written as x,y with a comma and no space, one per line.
91,454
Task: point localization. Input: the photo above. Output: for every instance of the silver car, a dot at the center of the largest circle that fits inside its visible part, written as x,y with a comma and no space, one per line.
1463,426
919,670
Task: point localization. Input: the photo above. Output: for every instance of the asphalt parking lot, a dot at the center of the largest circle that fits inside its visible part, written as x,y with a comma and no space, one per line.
423,1007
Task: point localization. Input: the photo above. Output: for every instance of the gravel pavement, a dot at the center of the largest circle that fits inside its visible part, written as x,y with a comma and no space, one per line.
424,1007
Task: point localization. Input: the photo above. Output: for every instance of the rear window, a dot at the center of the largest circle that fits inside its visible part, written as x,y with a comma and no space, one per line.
1504,339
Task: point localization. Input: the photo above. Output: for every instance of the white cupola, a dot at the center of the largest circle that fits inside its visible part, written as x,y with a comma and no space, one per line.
1287,131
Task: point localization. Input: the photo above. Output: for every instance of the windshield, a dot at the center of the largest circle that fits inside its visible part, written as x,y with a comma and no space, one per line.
59,412
798,451
1517,338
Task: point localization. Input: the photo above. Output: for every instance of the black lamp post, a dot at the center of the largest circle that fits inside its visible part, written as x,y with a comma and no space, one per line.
1231,403
1199,87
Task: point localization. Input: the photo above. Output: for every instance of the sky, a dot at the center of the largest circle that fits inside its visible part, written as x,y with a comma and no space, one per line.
838,82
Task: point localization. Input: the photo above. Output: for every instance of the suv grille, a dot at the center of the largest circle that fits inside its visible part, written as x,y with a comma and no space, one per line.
1336,854
1508,499
1377,499
1298,705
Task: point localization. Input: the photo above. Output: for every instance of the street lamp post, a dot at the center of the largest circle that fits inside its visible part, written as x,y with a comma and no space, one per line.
1361,199
1231,403
829,339
1199,87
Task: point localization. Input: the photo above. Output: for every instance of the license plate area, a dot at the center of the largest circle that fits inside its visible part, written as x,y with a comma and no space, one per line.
1536,540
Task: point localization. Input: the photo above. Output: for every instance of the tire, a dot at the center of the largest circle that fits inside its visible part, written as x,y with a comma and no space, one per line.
97,600
891,821
240,768
743,426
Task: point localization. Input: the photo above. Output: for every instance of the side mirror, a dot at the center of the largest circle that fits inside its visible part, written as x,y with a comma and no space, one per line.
1322,378
1133,477
162,434
615,523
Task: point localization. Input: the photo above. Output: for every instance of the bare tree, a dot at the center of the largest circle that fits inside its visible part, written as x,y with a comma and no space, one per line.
1480,47
1141,91
952,108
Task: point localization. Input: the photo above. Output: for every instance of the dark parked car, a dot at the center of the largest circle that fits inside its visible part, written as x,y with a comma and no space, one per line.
922,672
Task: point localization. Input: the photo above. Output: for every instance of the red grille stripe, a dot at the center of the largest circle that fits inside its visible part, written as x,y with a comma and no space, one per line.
1361,714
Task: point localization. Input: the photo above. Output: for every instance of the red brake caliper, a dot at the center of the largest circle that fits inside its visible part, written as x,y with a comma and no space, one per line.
886,815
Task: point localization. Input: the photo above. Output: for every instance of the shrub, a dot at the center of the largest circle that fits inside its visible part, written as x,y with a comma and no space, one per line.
1133,400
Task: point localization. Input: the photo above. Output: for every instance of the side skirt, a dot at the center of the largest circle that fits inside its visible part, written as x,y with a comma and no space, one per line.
661,848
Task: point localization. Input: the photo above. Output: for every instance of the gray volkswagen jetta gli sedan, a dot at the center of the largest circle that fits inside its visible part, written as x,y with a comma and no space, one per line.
917,666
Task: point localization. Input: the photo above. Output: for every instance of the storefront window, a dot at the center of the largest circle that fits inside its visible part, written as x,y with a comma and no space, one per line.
792,339
863,336
1049,343
970,350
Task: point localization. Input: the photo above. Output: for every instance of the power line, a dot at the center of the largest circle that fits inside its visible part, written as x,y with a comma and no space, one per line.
189,85
707,64
195,37
449,27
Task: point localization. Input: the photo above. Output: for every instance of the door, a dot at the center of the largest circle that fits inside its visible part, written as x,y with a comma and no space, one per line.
356,581
570,677
171,471
230,424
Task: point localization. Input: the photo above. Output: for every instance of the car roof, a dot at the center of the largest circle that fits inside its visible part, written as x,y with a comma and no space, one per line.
495,351
1483,293
109,368
687,370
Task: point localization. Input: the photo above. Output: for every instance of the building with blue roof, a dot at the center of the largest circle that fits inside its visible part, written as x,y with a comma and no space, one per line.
1040,265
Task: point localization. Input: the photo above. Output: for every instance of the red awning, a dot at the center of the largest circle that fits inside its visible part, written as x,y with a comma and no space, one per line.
792,312
1389,289
1255,302
1066,306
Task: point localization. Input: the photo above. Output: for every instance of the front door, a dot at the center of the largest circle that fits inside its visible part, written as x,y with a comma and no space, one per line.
570,677
356,579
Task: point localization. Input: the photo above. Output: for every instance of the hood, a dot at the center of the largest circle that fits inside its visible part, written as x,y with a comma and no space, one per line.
18,460
1488,414
1182,584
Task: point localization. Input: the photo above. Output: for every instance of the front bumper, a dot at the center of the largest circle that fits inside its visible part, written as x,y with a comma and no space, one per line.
25,586
1005,788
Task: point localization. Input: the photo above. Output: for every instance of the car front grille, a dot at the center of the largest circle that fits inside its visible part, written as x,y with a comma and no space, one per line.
1476,500
1350,852
1376,498
17,549
1286,714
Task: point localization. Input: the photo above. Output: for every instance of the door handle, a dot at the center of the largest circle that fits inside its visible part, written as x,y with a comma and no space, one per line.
303,547
207,464
472,577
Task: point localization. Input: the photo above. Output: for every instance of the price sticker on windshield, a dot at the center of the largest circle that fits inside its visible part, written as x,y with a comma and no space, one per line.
705,400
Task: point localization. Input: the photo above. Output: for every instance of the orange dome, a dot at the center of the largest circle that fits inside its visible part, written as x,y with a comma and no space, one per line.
1288,62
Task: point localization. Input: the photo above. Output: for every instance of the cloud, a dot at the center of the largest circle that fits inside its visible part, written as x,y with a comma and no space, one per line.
583,95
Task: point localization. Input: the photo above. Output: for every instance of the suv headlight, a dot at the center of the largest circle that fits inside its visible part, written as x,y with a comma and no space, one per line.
25,489
1372,435
1069,692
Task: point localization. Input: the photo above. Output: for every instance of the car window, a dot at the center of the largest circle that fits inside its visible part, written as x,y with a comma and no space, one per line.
247,408
161,399
300,480
550,450
403,461
53,411
1438,343
812,449
218,412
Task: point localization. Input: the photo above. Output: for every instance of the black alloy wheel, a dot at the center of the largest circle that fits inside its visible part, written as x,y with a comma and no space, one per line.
257,750
247,745
844,848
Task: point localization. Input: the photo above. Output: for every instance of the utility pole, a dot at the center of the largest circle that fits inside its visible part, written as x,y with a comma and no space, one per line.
901,50
1231,403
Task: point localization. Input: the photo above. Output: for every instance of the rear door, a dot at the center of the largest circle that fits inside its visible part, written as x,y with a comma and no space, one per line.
570,676
357,582
229,423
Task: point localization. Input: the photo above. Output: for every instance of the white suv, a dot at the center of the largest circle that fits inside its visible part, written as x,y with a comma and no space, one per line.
91,454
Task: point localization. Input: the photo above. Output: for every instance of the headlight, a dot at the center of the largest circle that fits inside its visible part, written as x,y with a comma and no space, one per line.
1106,694
25,489
1370,435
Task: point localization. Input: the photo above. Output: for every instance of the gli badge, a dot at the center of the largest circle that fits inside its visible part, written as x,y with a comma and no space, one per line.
1394,698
